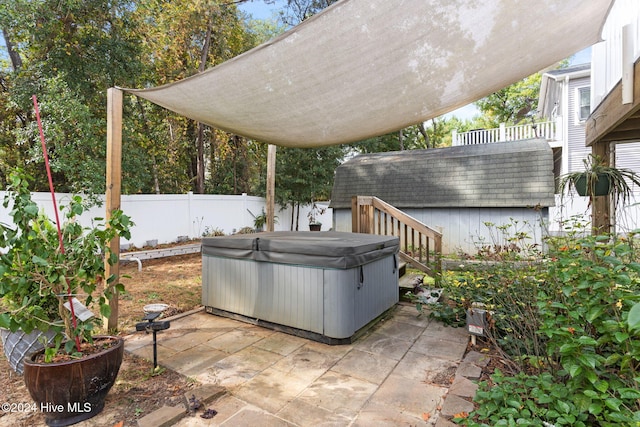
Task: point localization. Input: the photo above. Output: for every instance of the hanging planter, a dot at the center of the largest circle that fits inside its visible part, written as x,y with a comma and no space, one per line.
601,186
598,179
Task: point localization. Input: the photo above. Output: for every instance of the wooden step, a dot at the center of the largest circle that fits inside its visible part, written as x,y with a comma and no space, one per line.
402,269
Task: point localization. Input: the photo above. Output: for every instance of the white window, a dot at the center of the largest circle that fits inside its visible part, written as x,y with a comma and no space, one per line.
584,103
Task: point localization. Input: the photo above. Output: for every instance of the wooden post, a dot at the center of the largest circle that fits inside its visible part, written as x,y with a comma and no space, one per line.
113,188
355,215
601,205
271,186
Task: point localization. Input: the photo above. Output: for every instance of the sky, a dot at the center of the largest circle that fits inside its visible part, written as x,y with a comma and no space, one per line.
259,10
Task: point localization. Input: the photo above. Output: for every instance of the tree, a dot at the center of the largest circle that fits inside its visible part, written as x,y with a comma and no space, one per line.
235,164
184,38
513,103
297,11
69,53
263,30
306,174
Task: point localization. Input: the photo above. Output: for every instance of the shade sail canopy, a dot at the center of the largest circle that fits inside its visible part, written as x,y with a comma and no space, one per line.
363,68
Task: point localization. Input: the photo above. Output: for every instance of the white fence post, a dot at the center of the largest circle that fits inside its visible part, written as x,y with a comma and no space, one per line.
189,216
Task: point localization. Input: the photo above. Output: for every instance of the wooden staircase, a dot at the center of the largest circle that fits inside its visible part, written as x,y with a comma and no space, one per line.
420,245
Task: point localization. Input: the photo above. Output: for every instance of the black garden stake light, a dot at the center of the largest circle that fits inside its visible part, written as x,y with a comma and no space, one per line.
152,324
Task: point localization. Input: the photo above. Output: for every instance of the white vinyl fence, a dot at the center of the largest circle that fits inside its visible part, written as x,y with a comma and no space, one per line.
169,218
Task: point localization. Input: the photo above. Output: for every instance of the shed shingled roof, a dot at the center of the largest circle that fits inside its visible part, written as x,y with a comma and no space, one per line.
503,174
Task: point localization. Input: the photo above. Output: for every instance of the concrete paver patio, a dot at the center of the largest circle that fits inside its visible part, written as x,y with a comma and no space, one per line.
274,379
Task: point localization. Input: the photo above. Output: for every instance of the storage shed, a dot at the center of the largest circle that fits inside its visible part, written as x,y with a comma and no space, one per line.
456,190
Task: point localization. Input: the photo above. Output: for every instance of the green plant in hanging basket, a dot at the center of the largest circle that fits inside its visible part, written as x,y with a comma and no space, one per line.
598,179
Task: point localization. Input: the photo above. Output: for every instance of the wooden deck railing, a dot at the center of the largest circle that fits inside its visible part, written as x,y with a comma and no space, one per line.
420,245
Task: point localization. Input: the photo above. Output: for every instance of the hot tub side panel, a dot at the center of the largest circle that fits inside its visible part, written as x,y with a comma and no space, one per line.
230,284
355,297
284,294
291,296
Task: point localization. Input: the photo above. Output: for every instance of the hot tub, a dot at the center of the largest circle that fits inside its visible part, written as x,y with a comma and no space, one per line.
322,285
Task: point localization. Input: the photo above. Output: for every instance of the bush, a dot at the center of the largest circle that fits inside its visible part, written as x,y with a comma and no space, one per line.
564,324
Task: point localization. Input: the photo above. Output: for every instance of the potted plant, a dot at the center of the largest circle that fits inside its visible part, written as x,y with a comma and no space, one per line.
598,179
260,221
314,224
50,279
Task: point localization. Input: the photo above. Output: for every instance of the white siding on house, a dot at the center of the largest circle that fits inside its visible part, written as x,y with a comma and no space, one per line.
576,149
628,156
606,70
574,152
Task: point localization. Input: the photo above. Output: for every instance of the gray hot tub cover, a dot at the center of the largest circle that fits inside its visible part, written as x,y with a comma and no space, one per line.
328,249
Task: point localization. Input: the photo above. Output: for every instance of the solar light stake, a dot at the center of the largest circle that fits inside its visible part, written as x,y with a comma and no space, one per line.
151,325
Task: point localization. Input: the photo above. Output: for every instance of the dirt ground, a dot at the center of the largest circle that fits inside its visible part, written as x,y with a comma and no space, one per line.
175,281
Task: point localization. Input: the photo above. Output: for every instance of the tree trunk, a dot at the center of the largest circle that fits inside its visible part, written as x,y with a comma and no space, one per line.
424,133
16,61
200,135
434,125
154,164
200,159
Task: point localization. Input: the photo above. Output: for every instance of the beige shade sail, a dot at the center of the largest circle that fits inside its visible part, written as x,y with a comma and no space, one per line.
363,68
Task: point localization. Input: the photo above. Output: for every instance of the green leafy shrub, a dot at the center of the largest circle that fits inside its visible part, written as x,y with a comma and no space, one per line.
567,324
37,274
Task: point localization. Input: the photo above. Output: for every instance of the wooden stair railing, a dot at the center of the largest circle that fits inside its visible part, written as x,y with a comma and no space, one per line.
420,245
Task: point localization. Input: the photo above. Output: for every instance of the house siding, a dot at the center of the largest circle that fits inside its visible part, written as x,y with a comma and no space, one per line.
627,155
456,190
577,150
607,55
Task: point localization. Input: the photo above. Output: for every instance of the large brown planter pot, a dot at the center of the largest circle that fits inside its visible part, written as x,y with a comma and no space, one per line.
70,392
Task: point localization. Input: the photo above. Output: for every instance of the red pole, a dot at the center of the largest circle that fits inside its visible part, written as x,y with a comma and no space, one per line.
55,209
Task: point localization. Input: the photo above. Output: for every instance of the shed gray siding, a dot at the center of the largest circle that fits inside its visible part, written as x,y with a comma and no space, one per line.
465,230
499,175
